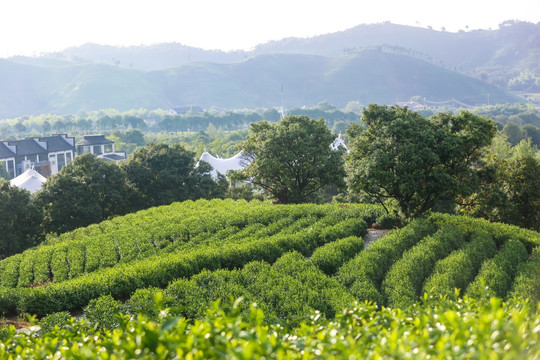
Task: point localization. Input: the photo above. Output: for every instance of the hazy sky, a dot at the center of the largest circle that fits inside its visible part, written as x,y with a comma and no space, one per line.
34,26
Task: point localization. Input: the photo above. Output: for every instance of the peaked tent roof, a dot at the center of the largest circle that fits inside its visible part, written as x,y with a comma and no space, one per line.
338,142
30,180
237,162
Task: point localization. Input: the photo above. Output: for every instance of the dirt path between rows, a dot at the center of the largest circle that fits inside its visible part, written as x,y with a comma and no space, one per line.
372,235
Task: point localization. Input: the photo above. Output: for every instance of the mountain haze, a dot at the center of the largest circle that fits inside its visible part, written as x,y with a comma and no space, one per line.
380,63
370,76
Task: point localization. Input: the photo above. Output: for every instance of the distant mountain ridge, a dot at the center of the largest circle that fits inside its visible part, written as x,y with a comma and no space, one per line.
514,45
381,63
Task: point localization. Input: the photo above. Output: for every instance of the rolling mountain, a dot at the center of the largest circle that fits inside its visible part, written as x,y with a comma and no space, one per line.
369,75
495,55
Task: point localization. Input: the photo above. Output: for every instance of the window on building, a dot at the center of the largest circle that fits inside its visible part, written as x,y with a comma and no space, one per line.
108,148
68,157
61,161
81,149
97,150
11,168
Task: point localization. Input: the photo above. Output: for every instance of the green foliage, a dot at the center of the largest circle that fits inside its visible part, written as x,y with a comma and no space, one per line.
102,312
163,174
52,322
509,192
86,191
387,221
496,275
526,284
292,159
19,220
459,269
500,330
414,160
156,246
513,133
145,301
290,290
402,285
330,257
364,274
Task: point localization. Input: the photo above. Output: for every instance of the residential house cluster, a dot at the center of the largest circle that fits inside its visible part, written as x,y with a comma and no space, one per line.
47,155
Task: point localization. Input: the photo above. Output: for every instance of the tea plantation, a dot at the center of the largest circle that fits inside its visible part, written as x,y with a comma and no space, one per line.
236,279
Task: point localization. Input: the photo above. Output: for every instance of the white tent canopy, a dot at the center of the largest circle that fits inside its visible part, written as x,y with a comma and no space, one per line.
30,180
237,162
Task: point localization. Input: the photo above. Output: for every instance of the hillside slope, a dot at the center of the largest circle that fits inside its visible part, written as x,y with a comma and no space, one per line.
371,76
202,251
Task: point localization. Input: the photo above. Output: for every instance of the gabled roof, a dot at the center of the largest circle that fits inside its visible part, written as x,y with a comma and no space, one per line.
237,162
6,151
30,180
94,140
59,142
29,146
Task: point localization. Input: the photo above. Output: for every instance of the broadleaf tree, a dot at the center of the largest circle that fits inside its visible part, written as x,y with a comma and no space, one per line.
292,159
162,174
19,220
85,191
416,161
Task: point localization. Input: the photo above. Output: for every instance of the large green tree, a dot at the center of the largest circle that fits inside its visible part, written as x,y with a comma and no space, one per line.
292,159
509,188
417,161
86,191
19,220
163,174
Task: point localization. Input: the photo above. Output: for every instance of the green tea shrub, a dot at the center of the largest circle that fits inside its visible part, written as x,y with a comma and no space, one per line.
59,320
102,312
59,264
26,269
527,282
403,283
10,275
496,275
42,269
145,301
330,257
458,269
364,274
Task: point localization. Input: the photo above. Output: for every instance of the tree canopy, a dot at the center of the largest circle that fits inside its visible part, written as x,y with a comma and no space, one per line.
20,219
292,159
86,191
416,161
163,174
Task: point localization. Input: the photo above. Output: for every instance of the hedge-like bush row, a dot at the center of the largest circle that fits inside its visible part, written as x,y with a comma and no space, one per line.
123,279
402,285
330,257
167,229
527,282
364,274
496,275
289,290
458,269
499,231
